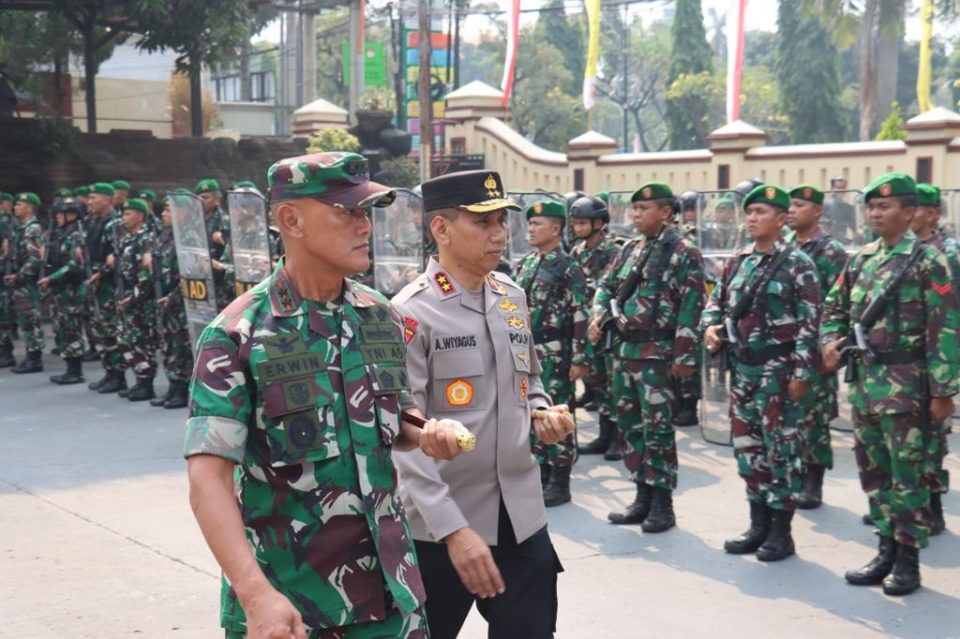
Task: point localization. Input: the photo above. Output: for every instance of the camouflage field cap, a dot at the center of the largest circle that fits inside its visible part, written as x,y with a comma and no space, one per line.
547,208
137,204
652,191
807,192
768,194
890,185
148,194
81,190
333,177
121,184
103,188
471,191
928,194
207,185
6,197
30,198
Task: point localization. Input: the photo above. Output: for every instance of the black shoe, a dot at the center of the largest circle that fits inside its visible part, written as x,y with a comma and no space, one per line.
687,415
54,351
142,391
32,364
936,507
158,402
635,512
602,442
558,489
812,494
91,356
755,535
123,392
779,542
115,383
905,576
95,386
74,374
178,396
866,520
661,516
616,439
879,567
6,358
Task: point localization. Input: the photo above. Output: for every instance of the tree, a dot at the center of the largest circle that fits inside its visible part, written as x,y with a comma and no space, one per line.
807,71
892,127
690,55
200,32
567,34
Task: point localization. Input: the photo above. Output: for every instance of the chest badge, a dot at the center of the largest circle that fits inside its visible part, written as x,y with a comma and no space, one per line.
515,322
459,393
508,306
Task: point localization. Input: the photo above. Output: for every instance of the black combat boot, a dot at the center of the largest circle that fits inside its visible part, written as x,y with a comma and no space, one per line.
178,396
6,357
936,507
74,374
158,402
91,356
905,576
95,386
584,400
32,364
866,519
779,542
115,382
812,494
661,516
755,535
558,489
687,414
602,442
879,567
142,391
616,439
635,512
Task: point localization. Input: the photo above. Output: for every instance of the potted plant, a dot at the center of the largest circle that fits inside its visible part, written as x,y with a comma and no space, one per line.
375,111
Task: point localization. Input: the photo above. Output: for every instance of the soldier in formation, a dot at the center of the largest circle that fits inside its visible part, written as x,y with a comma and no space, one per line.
218,238
27,254
8,320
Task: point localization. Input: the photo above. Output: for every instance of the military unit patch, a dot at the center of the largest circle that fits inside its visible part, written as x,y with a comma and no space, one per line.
771,192
885,190
807,192
409,328
443,281
459,392
647,192
942,289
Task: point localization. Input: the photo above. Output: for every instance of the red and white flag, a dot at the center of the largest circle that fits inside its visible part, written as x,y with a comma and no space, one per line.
735,39
510,62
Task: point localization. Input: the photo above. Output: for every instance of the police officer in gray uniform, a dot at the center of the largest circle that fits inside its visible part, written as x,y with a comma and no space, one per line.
479,521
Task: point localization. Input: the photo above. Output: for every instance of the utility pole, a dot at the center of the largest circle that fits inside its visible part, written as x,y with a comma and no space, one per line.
423,88
625,47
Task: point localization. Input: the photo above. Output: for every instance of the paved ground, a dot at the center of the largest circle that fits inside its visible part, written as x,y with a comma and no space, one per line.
97,540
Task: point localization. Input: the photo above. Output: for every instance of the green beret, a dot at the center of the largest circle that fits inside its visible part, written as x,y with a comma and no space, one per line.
26,196
890,185
103,188
726,200
337,177
137,205
121,184
808,193
148,194
547,208
652,191
604,196
6,197
244,184
181,190
207,185
81,190
767,194
61,193
928,194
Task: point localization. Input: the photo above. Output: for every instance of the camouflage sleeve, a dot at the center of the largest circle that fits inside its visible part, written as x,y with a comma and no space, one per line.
833,261
606,285
578,297
713,310
143,284
691,285
220,399
835,319
35,247
407,402
942,322
73,265
806,352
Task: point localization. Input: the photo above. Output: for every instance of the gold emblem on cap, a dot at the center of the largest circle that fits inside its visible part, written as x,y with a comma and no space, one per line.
807,192
885,190
647,192
770,192
538,208
490,184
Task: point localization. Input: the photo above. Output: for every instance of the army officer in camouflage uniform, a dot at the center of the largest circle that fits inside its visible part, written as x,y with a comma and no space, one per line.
300,383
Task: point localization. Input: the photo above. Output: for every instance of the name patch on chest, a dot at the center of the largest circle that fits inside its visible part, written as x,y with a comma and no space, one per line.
287,367
454,343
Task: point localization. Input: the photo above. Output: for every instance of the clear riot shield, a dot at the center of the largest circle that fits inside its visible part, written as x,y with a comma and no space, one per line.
844,218
193,258
621,215
397,242
950,213
517,243
249,238
719,233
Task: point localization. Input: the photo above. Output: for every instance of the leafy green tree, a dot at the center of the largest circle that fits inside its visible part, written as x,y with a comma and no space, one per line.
690,55
892,127
567,34
807,71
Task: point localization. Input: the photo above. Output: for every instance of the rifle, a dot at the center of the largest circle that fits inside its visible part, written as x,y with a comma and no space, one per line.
608,324
7,270
161,310
87,270
118,275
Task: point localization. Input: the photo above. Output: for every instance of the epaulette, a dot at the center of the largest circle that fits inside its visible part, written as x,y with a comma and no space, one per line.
371,294
420,284
505,279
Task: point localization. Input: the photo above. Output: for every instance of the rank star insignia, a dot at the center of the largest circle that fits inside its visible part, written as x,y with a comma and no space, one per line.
490,184
515,322
443,281
885,190
508,306
770,192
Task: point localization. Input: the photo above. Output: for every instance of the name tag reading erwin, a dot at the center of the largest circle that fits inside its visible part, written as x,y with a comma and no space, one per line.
293,366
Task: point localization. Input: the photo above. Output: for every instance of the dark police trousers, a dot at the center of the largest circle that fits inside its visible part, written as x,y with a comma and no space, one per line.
528,607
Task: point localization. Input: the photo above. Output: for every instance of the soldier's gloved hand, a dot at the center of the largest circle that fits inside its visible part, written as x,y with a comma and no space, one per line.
798,389
553,424
941,408
830,357
438,438
594,334
270,615
711,338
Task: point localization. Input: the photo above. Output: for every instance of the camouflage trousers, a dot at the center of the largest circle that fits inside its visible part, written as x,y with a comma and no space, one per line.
138,339
557,384
817,449
224,289
68,300
599,380
177,354
891,458
397,624
691,388
766,427
105,325
937,478
26,304
8,318
645,403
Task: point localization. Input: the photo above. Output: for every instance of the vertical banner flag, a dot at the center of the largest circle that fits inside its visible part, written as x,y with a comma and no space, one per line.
593,51
924,71
510,62
735,19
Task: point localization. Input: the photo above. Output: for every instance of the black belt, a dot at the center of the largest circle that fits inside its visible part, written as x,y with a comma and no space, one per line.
547,335
897,357
639,336
758,356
